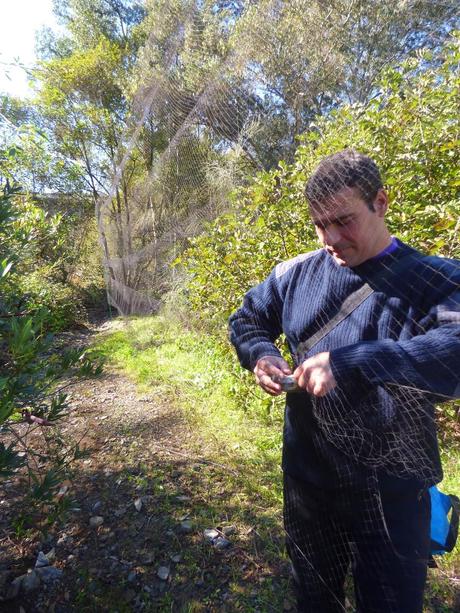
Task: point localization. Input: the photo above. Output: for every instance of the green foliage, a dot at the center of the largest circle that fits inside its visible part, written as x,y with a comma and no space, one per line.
59,298
412,130
240,248
37,243
30,370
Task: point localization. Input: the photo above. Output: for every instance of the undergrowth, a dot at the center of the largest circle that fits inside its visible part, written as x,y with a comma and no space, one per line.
238,425
233,416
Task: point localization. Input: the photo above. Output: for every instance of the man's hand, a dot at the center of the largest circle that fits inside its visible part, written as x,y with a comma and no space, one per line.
315,375
268,371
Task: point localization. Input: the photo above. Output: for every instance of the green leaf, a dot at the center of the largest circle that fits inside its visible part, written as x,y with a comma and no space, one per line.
5,268
9,460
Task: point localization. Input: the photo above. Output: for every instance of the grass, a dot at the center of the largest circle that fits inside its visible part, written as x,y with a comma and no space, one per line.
240,428
241,423
239,435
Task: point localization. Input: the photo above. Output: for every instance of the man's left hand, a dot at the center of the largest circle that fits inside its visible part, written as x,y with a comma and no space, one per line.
315,375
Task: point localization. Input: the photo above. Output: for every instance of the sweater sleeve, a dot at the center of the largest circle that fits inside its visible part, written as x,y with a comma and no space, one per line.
429,362
257,324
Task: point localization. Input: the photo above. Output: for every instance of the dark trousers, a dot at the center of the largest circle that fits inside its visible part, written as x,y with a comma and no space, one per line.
383,537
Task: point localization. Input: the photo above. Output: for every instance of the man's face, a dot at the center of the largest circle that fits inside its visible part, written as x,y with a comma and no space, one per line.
350,232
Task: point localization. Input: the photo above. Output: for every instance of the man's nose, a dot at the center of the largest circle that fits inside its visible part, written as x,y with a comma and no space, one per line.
332,235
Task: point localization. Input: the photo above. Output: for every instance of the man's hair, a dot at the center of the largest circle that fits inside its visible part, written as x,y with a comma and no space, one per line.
348,168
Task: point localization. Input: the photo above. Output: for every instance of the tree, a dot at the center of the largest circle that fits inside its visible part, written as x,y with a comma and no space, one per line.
411,129
310,57
83,104
141,103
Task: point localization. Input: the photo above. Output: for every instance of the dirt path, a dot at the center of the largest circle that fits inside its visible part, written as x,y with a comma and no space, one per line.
144,496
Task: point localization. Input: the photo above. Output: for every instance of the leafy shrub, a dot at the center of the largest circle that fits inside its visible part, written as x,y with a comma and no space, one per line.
411,129
40,289
29,397
38,245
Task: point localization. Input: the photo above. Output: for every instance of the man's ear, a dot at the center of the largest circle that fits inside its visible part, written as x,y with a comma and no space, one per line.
381,203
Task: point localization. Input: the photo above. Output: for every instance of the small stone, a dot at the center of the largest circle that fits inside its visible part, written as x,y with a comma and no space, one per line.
96,506
210,534
63,491
138,504
49,574
163,573
96,521
51,555
222,543
183,498
176,558
186,526
31,582
70,558
42,560
63,540
228,530
132,576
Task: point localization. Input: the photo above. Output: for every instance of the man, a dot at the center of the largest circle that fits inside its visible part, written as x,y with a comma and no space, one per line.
373,330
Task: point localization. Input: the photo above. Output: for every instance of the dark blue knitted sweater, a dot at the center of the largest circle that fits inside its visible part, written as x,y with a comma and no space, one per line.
392,358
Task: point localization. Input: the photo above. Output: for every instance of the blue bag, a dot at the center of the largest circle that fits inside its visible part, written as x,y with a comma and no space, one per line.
444,530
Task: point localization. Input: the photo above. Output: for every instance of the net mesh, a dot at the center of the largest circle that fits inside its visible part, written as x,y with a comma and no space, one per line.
204,92
360,456
198,126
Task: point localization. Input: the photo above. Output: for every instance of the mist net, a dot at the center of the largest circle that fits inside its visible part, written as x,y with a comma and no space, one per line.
195,125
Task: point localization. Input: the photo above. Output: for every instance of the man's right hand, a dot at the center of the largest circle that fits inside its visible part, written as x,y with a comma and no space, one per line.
268,371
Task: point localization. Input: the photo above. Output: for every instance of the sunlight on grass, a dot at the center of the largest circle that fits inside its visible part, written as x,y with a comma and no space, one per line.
239,426
218,398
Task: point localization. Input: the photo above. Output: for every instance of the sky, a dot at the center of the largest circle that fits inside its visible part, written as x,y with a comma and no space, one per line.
20,20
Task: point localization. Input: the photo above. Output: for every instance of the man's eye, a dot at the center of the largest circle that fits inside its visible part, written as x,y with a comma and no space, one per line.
344,222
